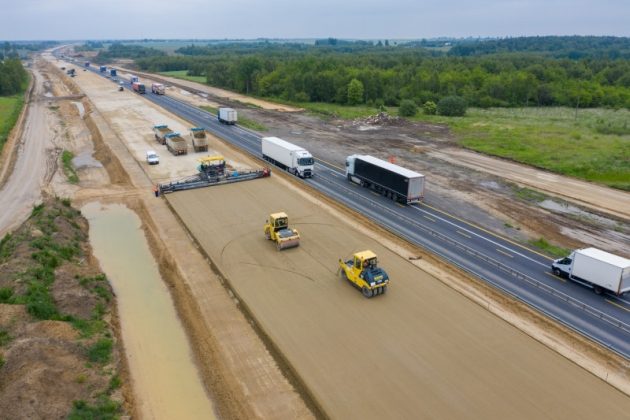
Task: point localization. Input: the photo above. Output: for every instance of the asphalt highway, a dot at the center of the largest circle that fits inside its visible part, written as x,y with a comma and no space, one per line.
506,265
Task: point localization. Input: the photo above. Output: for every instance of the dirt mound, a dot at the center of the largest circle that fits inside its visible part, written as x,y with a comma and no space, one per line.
58,352
382,118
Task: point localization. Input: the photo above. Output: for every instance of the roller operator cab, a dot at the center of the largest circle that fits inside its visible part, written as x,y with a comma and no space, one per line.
277,230
365,274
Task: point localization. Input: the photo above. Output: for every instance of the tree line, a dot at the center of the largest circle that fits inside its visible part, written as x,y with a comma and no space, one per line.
13,77
495,73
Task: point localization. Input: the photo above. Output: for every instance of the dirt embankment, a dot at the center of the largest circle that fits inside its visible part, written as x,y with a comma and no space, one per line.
59,352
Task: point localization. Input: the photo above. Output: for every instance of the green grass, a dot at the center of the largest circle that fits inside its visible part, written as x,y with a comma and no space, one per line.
528,195
101,351
68,167
10,108
183,74
553,250
242,121
104,409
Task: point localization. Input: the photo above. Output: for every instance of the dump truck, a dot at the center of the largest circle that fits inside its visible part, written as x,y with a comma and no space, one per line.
176,144
199,139
392,181
102,69
138,87
288,156
227,116
112,72
363,272
597,269
213,170
157,88
277,229
160,132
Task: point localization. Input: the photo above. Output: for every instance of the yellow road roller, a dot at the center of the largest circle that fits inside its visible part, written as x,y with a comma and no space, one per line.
277,230
363,272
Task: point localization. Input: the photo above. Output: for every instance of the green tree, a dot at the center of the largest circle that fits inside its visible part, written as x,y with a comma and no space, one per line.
408,108
355,92
429,108
452,106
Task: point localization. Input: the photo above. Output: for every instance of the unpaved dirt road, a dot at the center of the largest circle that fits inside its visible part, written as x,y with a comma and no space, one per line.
35,161
597,197
421,351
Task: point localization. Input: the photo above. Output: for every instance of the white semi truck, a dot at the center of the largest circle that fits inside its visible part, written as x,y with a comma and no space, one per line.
393,181
227,116
288,156
595,268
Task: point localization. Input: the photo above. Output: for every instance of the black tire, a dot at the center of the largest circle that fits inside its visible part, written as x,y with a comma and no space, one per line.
598,290
366,292
556,271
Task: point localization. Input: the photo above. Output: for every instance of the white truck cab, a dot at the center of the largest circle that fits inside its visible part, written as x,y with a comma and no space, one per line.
152,157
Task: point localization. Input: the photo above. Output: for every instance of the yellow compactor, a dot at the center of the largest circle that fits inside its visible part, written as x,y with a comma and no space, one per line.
277,229
365,274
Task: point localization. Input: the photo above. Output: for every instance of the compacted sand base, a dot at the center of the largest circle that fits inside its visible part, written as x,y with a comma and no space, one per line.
420,351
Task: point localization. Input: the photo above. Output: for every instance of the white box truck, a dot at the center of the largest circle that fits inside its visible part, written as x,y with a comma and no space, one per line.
227,116
157,88
393,181
288,156
595,268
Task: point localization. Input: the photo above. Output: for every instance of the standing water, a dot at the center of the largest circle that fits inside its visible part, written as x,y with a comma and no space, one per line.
165,381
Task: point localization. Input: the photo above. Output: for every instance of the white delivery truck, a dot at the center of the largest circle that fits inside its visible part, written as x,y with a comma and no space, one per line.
227,116
288,156
595,268
393,181
157,88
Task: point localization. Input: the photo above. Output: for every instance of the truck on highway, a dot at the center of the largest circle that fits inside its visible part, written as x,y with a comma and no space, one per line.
87,64
133,79
393,181
227,116
176,144
199,139
138,87
112,72
103,69
160,132
157,88
592,267
288,156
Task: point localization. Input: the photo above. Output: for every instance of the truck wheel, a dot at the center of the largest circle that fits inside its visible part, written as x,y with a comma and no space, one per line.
366,292
598,290
556,271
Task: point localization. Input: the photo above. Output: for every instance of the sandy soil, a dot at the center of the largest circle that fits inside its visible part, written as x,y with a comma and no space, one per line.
36,159
594,196
217,92
421,351
242,377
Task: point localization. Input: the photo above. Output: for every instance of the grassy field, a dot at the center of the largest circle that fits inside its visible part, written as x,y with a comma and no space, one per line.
594,146
10,108
182,74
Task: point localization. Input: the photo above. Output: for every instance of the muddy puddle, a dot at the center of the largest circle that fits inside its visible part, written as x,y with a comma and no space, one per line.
165,380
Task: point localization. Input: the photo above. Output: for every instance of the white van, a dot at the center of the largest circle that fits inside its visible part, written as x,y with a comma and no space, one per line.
152,157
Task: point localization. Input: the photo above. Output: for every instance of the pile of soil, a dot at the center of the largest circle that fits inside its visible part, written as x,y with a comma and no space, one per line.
382,118
59,354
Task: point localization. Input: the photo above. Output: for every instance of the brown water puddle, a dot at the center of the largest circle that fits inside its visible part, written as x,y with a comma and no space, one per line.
165,380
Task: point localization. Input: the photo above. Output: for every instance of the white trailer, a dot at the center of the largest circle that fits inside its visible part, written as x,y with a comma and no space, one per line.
288,156
157,88
393,181
595,268
227,116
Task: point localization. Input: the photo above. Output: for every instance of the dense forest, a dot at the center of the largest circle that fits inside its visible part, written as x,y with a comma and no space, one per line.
530,71
12,76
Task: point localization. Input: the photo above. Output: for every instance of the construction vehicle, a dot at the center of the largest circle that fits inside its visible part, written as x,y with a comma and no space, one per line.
161,131
199,139
213,171
277,230
363,272
176,144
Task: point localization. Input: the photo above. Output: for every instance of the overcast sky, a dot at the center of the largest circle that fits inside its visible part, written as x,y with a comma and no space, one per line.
370,19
